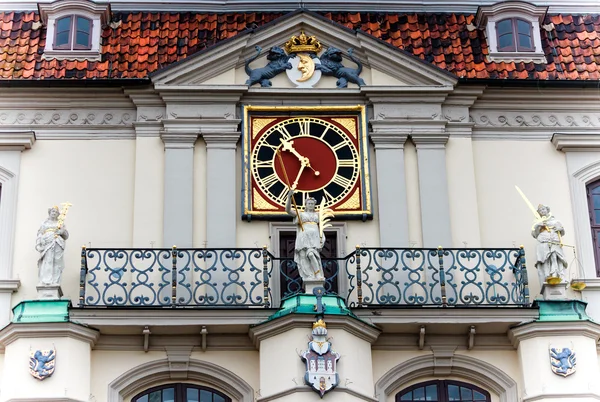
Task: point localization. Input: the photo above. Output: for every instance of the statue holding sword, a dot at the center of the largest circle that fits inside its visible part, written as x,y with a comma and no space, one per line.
548,231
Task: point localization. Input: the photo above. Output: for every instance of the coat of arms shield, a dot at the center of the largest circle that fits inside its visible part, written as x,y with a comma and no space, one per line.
321,361
41,363
562,361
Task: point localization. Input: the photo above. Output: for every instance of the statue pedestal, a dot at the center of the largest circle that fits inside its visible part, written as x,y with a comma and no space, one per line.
555,292
310,284
49,292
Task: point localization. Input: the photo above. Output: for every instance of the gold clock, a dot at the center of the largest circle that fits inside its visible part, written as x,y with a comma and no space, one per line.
324,156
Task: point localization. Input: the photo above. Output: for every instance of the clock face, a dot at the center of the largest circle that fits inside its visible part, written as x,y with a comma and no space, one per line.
319,156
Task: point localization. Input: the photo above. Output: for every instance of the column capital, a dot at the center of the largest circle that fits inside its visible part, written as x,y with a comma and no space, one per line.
16,140
178,140
388,140
430,141
221,140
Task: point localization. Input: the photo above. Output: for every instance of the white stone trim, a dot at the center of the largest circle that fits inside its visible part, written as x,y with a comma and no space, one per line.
568,328
98,13
338,389
48,330
275,229
488,16
466,367
147,374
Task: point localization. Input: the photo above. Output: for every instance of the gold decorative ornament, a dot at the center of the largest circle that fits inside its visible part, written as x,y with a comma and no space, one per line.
320,323
260,202
307,66
303,43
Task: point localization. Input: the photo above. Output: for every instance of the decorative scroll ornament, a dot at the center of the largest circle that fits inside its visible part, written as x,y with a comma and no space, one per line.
41,363
562,361
321,361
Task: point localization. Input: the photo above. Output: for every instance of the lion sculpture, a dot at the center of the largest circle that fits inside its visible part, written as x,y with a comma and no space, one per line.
278,63
331,64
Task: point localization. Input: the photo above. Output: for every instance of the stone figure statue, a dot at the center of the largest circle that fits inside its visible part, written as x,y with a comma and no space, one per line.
50,243
309,241
550,257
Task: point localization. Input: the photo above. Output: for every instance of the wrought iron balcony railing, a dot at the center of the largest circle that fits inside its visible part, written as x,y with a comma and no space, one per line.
255,278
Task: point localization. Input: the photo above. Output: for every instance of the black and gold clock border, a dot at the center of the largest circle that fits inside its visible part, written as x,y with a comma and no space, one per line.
307,111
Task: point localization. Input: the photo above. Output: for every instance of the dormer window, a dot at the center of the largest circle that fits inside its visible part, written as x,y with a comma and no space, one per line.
73,32
73,28
513,31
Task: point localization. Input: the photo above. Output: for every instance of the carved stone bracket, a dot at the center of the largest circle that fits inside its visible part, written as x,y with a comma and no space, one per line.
443,359
179,361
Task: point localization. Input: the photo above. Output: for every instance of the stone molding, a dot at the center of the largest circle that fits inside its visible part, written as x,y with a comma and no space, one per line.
410,341
12,332
44,400
577,142
9,285
536,329
215,342
178,140
67,118
147,374
462,366
294,390
221,140
586,396
278,326
148,128
16,140
430,141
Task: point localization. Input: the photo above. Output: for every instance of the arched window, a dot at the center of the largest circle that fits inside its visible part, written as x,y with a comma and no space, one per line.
73,32
181,393
443,391
593,196
514,35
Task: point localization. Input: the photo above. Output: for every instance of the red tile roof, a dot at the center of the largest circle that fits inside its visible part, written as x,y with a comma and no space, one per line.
146,42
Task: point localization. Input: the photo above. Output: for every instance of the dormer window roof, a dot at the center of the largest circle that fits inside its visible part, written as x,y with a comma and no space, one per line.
73,28
513,31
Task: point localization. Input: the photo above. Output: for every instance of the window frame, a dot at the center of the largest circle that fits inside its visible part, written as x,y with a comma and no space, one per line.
180,391
515,47
442,389
72,33
594,227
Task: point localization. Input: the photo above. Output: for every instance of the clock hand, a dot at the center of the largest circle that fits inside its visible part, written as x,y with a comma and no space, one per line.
298,175
288,146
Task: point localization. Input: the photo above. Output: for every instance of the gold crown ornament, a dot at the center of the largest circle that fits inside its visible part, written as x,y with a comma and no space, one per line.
320,324
303,43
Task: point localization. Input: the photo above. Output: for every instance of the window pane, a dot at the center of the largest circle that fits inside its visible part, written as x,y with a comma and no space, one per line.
504,27
192,395
596,217
83,38
169,395
505,41
205,396
478,396
218,398
525,41
596,200
142,399
62,39
419,394
83,24
596,190
466,394
155,396
63,24
453,394
523,27
431,392
407,397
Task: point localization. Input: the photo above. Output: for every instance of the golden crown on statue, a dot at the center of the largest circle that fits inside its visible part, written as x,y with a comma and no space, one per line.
303,43
319,323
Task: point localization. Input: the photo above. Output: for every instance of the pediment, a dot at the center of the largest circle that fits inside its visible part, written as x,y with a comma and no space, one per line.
223,64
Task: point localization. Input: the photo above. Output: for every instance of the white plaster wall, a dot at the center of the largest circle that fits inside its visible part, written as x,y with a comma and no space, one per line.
282,351
106,366
199,234
97,177
71,378
505,220
415,232
462,193
354,366
244,364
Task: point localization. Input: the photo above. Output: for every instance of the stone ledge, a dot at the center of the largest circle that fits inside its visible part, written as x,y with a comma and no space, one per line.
17,140
9,285
13,332
565,328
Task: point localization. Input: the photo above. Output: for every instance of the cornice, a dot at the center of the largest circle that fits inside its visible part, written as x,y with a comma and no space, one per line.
278,326
47,9
509,7
16,140
338,389
9,285
388,139
221,140
577,142
12,332
568,328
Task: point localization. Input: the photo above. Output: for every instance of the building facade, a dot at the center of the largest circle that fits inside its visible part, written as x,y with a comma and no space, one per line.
176,130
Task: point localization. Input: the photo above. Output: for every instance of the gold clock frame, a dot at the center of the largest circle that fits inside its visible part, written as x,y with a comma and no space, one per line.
248,213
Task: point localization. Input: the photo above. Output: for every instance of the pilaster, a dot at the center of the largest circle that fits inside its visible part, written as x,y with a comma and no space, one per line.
391,183
179,140
433,188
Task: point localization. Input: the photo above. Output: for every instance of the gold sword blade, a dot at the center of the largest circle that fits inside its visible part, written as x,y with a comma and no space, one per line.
529,204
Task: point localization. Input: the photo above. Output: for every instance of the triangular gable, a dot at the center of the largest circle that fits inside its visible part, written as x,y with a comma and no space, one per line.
216,65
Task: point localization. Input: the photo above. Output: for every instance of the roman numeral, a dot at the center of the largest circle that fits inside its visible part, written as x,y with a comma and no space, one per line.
304,127
347,163
339,146
263,164
273,147
282,197
269,180
328,197
341,181
284,133
324,132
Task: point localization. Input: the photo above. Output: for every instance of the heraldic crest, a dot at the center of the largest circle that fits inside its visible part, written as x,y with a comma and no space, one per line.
562,361
321,361
41,363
